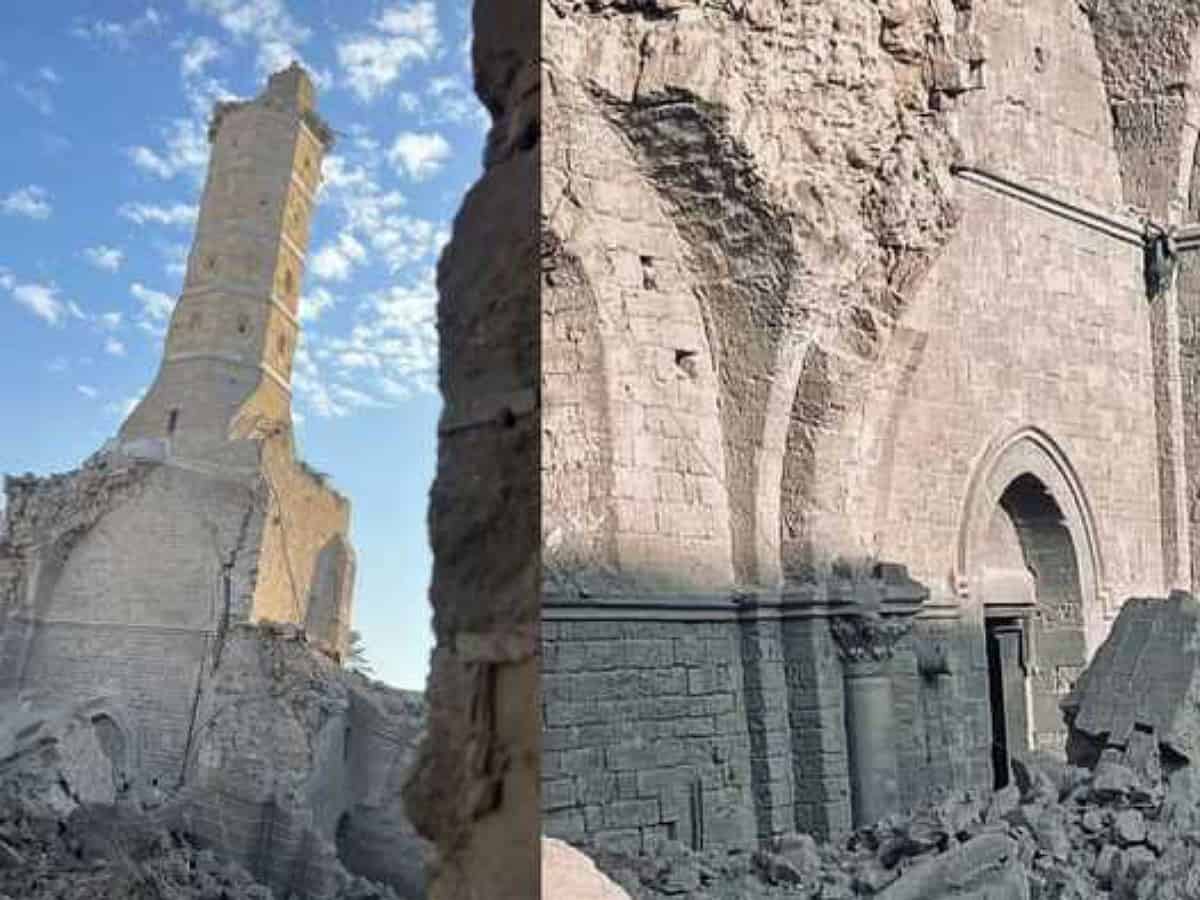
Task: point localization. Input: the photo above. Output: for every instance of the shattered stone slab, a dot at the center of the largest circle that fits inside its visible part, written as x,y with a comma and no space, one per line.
1144,678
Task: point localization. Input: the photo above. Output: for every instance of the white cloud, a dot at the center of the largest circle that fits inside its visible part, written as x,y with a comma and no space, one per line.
120,34
7,281
197,55
110,320
404,240
454,100
180,215
265,23
186,149
42,300
87,390
372,215
114,347
104,257
404,34
31,201
314,303
48,74
333,262
74,309
390,353
156,306
419,155
58,364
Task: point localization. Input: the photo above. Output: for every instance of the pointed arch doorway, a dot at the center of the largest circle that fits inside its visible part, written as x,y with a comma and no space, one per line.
1029,568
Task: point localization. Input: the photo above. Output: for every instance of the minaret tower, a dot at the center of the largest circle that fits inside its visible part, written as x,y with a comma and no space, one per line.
227,364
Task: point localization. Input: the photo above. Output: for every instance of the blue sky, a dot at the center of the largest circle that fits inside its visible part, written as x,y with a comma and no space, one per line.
105,106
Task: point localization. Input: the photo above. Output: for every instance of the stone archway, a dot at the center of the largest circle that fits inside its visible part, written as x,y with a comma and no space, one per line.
1029,568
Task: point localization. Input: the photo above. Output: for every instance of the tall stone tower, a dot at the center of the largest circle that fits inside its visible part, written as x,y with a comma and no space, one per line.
124,579
227,364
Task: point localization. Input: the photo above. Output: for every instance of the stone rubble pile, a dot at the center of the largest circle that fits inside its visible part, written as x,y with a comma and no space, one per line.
61,838
77,823
1061,832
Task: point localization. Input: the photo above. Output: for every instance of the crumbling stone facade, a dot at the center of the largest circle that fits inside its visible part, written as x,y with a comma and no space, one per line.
474,791
867,396
148,581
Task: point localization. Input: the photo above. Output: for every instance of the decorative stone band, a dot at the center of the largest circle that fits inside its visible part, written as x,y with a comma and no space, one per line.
238,226
502,409
889,589
226,286
233,361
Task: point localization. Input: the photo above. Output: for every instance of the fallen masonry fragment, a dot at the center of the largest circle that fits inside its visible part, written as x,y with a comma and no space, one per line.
187,590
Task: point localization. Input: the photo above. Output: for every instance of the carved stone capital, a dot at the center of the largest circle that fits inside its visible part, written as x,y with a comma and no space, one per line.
868,639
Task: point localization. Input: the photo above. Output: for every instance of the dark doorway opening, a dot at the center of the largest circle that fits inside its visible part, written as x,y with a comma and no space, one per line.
1007,693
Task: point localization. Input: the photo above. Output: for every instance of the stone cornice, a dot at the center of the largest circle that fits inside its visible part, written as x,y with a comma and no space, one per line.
890,588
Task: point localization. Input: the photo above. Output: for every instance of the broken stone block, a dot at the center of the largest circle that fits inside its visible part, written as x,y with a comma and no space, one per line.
1113,782
801,851
985,866
1144,678
1129,827
1132,865
1092,821
1106,863
1034,781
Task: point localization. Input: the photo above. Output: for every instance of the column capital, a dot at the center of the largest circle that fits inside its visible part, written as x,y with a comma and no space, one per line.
868,638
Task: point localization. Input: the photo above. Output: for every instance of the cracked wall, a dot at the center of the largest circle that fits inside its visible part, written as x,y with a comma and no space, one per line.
474,790
806,337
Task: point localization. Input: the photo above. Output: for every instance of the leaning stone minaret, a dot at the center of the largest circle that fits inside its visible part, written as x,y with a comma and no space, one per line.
227,363
126,579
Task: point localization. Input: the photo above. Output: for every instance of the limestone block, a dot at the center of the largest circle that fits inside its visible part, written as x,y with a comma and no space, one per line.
1146,676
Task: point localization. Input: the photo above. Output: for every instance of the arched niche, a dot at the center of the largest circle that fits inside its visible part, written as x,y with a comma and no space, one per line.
327,619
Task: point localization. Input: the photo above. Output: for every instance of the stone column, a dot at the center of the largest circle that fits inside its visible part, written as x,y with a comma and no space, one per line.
866,635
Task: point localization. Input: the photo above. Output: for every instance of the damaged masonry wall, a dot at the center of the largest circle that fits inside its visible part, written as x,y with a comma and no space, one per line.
475,789
831,285
153,582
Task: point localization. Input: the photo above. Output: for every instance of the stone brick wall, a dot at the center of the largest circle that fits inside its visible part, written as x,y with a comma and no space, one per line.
645,734
152,673
304,518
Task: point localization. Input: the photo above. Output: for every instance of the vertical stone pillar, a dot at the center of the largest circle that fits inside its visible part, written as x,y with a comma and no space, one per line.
866,635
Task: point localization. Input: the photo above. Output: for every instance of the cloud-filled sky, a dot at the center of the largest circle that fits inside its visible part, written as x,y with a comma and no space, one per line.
105,107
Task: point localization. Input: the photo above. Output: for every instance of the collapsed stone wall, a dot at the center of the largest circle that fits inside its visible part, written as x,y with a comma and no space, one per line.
82,819
295,767
272,755
474,791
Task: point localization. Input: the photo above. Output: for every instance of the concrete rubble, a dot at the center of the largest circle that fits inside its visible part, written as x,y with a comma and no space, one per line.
1120,818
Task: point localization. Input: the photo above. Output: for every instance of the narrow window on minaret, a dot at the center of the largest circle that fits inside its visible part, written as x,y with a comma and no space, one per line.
172,421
